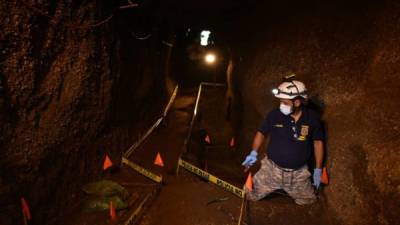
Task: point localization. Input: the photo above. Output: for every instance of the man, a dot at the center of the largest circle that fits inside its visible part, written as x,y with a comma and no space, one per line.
294,132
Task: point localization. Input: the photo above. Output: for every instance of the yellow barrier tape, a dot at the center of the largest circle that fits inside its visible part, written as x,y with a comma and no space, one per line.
213,179
142,170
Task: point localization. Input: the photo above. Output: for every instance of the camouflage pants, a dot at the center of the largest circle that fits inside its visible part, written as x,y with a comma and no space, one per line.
271,177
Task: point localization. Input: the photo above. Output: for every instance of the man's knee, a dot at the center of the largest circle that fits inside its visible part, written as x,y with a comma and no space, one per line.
260,190
305,201
255,194
303,196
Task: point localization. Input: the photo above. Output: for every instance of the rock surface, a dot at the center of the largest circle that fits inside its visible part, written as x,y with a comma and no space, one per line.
348,56
72,87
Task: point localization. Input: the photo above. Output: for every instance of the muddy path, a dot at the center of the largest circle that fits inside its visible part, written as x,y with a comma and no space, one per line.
186,198
183,197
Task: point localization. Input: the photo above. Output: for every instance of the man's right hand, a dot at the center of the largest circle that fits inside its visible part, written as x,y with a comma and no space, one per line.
250,159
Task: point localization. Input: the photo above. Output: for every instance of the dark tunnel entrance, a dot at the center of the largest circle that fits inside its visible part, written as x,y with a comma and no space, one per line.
84,80
194,63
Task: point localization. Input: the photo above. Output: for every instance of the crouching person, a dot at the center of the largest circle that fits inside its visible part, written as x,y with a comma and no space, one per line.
294,132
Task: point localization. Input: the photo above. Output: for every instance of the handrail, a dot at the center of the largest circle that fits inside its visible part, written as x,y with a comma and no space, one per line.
185,143
184,147
171,100
195,111
154,126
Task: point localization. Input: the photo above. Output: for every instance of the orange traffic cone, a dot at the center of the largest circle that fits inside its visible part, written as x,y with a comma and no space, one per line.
113,213
232,143
324,176
107,163
25,210
249,182
158,161
207,139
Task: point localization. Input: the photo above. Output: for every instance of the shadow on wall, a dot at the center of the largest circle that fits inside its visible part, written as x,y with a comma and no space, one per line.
317,104
350,57
4,105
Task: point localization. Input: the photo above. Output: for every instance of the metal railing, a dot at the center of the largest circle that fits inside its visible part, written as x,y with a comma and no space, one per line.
185,143
154,126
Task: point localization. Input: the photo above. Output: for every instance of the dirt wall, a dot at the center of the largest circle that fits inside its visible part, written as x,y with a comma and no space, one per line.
68,95
348,56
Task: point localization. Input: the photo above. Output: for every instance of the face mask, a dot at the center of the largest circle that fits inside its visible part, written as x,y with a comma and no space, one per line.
285,109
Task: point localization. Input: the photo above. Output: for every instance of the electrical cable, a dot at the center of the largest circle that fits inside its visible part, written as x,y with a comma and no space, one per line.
71,26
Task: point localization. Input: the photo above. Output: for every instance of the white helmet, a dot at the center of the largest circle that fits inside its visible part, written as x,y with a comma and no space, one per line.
290,90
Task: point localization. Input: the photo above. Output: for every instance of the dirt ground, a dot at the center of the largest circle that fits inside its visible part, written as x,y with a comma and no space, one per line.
185,198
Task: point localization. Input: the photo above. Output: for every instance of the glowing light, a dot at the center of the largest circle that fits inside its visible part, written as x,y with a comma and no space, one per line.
210,58
275,91
204,35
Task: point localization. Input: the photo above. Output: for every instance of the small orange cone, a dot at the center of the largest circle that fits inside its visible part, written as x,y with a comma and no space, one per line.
207,139
324,176
232,143
249,182
25,209
113,213
158,161
107,163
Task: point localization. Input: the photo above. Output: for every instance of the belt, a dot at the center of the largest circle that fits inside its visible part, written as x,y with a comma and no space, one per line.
284,169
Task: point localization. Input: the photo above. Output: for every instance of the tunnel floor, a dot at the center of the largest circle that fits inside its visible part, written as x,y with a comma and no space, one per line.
186,198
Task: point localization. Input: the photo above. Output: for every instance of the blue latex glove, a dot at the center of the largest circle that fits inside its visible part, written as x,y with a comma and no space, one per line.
317,177
250,159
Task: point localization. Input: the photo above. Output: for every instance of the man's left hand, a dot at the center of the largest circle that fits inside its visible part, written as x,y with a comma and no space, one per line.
317,177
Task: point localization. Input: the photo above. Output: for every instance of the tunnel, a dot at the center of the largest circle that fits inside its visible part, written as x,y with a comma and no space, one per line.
142,112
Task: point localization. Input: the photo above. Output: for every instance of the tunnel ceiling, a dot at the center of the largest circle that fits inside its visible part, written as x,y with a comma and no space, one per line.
233,16
187,13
